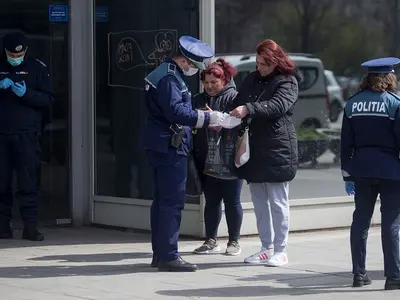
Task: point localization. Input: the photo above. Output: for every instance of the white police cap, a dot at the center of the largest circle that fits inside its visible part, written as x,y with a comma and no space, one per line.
195,50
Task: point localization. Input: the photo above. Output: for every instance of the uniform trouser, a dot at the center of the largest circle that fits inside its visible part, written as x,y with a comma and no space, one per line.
216,190
19,153
271,206
169,177
367,191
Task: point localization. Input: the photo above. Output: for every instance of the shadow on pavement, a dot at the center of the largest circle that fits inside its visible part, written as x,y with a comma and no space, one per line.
285,282
70,236
77,236
30,272
93,257
292,284
96,257
96,270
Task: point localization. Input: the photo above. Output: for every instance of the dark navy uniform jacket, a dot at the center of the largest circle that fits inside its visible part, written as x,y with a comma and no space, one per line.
24,114
168,102
371,136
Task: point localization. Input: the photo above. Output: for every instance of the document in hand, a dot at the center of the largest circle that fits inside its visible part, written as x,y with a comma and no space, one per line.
230,122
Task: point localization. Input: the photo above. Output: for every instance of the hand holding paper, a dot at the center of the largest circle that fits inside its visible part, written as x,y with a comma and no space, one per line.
230,122
226,121
240,112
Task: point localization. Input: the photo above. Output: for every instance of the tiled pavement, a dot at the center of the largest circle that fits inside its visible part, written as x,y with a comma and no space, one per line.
100,264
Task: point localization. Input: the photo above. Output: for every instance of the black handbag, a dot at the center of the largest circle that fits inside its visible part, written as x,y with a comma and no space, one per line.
193,183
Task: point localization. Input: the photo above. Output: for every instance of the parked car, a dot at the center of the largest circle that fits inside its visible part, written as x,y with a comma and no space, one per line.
313,106
335,93
349,85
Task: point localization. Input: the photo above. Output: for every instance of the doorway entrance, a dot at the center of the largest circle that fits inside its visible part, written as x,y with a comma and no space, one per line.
47,30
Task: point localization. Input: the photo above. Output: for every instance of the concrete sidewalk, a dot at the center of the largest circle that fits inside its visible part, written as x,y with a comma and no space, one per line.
101,264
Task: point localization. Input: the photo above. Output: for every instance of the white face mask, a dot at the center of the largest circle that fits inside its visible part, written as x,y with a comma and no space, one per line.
190,72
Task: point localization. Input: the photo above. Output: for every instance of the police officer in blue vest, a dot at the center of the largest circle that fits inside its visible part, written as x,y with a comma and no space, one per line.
370,154
166,139
25,92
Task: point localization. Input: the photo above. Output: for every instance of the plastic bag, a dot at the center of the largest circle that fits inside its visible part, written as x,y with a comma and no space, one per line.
220,160
242,155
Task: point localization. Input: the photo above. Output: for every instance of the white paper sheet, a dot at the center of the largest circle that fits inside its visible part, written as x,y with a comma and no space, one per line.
230,122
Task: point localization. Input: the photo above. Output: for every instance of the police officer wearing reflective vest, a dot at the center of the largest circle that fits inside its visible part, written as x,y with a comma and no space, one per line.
370,155
166,139
25,91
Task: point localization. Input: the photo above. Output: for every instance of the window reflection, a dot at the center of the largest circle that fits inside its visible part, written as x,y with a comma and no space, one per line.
341,34
132,38
48,42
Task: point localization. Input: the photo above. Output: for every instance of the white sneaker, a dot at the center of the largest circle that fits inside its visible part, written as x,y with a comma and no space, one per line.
261,257
278,259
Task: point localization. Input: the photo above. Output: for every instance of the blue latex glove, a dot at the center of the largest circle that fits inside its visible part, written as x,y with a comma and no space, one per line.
6,83
350,188
19,89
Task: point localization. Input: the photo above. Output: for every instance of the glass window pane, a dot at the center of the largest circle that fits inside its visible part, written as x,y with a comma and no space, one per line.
132,38
48,41
310,76
342,34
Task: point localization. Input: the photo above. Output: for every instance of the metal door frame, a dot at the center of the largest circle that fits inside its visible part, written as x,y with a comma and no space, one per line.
81,52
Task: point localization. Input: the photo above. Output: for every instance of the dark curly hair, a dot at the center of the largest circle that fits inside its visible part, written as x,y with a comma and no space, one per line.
220,69
379,82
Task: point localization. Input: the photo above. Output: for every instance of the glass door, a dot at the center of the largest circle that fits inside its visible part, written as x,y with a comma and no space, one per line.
45,23
131,39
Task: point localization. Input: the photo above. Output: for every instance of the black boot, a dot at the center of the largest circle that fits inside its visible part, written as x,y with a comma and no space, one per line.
154,261
32,234
177,265
392,284
360,280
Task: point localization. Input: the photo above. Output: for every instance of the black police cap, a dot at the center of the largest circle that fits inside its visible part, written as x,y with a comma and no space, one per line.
15,42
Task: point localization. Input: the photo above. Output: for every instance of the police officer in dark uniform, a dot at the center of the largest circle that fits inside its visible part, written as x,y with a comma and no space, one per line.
166,139
371,166
25,91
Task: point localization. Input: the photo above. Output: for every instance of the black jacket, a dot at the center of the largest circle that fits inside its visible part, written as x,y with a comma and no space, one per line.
24,114
273,142
220,102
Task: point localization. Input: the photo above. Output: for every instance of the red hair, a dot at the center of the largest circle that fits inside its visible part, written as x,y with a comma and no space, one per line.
220,69
274,54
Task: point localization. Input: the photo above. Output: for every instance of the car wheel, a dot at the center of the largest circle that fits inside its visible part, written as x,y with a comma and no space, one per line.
336,108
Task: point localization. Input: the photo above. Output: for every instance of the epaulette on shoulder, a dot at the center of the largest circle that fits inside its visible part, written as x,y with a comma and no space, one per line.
352,96
171,68
42,63
394,95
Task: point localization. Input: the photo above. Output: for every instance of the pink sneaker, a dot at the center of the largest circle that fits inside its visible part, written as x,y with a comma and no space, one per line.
261,257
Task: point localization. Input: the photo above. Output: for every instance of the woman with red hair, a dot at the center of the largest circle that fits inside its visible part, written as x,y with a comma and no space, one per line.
266,104
219,181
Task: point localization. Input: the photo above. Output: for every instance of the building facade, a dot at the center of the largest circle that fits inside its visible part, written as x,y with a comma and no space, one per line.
98,52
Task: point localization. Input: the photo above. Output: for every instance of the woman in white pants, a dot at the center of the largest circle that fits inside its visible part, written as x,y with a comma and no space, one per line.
266,103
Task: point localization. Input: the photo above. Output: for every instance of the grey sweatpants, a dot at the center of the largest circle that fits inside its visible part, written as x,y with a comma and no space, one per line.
271,207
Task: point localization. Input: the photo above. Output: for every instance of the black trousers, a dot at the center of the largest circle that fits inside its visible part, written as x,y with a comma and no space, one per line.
367,191
216,191
19,153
